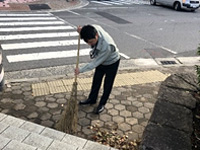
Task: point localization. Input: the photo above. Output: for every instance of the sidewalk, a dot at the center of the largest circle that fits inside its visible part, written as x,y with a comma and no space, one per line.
128,109
40,5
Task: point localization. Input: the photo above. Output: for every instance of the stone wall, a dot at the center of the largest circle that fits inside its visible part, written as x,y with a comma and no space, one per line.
170,125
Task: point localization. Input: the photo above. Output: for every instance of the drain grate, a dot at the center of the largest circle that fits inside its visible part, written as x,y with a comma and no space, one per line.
168,62
39,6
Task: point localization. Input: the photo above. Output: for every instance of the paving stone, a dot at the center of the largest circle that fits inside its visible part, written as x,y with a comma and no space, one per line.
50,99
84,122
26,89
131,108
41,98
46,116
40,104
143,110
3,126
18,101
92,116
73,140
137,115
113,101
9,120
97,122
118,119
126,102
59,95
138,128
52,105
4,141
124,127
105,118
15,133
20,106
27,93
147,116
137,104
18,146
17,92
109,105
15,87
132,98
87,131
120,107
131,121
125,113
95,146
61,100
33,115
56,145
149,105
32,127
7,100
113,112
53,134
2,116
47,123
38,141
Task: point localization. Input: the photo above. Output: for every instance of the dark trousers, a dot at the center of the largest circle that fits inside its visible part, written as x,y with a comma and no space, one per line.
110,72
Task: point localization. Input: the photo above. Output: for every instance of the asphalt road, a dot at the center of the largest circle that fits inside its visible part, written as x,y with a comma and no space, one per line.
140,31
143,31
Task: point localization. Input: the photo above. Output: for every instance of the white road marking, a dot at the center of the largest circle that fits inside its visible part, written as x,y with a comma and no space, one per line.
46,55
101,3
37,35
23,15
18,29
29,18
15,46
125,56
156,45
30,23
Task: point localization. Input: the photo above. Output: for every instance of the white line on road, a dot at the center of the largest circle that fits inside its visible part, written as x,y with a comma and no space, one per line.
30,18
18,29
156,45
15,46
30,23
50,55
37,35
46,55
17,15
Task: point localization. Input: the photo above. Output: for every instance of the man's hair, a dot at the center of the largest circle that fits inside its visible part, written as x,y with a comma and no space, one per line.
88,32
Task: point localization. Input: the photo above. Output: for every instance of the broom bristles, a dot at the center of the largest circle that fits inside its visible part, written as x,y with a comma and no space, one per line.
69,117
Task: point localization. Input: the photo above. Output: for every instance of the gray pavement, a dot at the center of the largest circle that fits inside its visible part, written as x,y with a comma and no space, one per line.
128,109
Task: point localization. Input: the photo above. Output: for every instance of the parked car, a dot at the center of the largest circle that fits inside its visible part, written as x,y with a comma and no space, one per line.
191,5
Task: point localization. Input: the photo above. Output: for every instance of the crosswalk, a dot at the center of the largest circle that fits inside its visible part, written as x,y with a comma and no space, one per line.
119,2
39,40
37,36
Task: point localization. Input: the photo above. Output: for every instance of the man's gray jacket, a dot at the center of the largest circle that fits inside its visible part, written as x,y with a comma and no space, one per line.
106,51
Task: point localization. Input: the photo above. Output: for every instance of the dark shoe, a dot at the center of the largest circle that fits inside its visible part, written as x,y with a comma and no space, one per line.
86,102
99,109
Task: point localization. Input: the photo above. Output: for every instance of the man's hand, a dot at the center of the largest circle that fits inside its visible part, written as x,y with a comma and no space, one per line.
76,71
79,29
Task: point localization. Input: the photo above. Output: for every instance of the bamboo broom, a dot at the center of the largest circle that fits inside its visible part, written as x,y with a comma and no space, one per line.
69,117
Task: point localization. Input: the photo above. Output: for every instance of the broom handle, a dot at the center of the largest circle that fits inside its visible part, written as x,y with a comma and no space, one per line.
77,60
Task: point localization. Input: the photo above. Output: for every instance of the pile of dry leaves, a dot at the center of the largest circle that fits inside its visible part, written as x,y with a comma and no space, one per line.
113,139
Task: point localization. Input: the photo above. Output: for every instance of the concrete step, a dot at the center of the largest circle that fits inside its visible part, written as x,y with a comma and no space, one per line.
19,134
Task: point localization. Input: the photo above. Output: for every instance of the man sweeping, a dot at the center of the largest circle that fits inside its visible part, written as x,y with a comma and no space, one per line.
106,58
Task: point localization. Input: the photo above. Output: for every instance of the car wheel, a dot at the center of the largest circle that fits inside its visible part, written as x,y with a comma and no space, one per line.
177,6
153,2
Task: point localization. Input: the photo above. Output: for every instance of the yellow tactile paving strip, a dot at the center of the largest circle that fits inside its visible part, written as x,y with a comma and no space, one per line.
125,79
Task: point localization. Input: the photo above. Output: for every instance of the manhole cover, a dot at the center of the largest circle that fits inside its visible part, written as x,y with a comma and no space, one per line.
168,62
39,6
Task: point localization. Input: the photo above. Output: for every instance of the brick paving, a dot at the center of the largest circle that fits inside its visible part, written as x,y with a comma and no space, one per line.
127,110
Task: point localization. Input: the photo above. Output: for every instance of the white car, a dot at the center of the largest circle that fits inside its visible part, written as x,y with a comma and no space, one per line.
178,4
